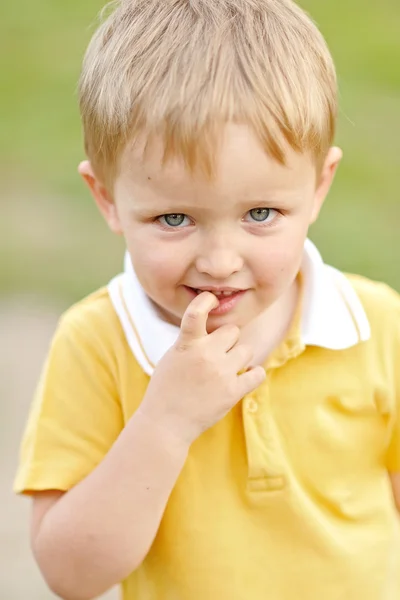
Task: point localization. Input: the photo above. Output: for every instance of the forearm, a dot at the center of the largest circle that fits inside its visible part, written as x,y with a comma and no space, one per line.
102,529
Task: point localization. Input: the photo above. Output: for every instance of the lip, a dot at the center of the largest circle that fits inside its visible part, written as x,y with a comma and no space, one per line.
225,303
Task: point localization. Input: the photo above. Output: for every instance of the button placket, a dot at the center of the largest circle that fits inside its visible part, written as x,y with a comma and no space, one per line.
252,405
264,465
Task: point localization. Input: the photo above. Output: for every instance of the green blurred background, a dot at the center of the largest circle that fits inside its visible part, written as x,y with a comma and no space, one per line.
52,240
54,247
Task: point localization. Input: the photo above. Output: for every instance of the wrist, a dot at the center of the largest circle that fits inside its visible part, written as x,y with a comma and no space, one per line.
166,434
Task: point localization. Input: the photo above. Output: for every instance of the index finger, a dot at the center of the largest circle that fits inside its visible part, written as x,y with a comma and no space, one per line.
194,320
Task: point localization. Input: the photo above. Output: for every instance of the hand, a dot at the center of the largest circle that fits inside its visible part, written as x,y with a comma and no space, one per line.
197,383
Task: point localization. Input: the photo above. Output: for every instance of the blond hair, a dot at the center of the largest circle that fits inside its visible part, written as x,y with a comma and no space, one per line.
180,69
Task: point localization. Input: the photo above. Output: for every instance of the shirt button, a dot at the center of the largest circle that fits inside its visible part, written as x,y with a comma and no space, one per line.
252,406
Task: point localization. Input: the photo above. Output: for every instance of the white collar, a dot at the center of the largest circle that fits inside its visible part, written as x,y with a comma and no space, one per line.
333,316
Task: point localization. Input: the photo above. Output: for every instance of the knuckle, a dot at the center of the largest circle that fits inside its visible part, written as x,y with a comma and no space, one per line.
229,331
191,316
181,346
234,333
256,376
233,329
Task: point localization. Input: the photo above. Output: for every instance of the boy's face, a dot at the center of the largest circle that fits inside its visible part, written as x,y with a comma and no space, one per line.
241,235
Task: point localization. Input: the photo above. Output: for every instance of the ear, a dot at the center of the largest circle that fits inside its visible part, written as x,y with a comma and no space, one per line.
325,181
101,196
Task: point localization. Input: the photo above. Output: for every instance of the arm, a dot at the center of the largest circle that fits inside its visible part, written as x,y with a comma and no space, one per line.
95,535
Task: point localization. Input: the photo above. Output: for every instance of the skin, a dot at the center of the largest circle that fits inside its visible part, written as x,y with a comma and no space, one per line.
93,536
219,243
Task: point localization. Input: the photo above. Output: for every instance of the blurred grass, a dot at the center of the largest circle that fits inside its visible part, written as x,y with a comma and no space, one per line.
52,240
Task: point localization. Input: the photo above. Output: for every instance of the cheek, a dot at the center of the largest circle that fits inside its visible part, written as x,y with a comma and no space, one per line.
277,266
158,267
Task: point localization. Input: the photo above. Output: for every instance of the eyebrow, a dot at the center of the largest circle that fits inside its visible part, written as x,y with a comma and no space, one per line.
169,207
165,209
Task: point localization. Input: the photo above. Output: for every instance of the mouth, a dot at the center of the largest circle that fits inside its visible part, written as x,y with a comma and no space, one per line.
223,293
228,298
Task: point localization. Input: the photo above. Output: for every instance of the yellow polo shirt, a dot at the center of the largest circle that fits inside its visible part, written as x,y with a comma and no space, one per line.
287,497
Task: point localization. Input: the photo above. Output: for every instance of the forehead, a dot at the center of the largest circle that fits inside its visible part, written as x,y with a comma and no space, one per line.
243,169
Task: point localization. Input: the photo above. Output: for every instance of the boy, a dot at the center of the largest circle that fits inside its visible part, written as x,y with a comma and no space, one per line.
221,422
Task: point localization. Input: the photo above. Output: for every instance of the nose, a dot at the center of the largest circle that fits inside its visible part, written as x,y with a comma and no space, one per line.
219,261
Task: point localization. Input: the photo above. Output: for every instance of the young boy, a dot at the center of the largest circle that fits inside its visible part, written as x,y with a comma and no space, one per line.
222,421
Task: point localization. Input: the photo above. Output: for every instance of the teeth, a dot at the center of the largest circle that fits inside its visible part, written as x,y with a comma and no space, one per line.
218,294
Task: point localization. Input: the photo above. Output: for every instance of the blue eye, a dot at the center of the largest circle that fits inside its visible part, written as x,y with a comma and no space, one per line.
259,214
173,220
262,215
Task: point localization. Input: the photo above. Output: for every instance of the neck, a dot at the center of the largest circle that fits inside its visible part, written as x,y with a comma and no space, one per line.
270,328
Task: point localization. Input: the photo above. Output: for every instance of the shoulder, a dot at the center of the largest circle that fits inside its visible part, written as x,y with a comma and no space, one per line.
92,323
381,304
91,312
375,294
77,412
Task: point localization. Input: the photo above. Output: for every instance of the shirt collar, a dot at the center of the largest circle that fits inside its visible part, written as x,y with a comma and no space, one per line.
333,316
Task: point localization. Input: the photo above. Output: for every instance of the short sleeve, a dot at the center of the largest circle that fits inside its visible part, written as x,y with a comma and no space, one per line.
76,414
393,460
393,456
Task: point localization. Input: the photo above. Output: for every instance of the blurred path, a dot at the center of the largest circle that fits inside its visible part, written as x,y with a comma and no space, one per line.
25,331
